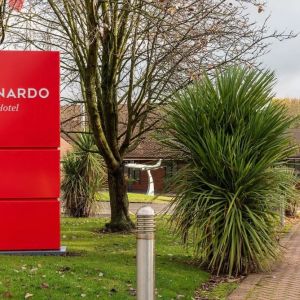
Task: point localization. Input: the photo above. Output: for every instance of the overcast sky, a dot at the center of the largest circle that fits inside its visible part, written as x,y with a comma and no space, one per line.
284,57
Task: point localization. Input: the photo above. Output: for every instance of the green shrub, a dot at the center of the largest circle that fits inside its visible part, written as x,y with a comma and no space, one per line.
228,195
82,177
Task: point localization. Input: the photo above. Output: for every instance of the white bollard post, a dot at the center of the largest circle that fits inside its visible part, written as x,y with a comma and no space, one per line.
145,254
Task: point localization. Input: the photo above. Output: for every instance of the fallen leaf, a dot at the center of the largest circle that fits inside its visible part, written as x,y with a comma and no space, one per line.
44,285
28,295
33,270
64,269
230,280
7,295
132,292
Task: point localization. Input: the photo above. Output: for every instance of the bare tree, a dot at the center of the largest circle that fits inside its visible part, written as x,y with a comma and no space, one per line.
128,57
3,19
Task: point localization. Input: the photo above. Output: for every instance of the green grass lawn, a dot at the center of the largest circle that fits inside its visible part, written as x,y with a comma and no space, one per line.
138,198
103,267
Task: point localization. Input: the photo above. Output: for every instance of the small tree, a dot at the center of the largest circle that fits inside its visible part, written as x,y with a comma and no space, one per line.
82,177
234,138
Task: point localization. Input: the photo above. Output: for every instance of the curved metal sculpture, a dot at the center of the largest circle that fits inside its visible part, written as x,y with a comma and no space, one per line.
148,168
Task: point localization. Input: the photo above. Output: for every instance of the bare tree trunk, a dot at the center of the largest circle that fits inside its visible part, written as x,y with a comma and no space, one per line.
120,220
106,140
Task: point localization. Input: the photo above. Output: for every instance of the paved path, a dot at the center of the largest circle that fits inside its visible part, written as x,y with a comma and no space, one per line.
103,208
283,283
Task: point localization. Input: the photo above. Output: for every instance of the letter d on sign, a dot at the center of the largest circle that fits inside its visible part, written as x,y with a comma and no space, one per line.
32,93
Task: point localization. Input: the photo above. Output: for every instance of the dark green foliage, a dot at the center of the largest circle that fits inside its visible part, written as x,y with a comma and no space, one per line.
82,177
234,139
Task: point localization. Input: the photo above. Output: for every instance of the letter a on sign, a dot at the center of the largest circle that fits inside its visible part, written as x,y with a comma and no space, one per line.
29,151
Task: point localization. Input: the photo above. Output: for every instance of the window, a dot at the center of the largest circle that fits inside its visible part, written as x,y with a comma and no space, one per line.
134,174
171,168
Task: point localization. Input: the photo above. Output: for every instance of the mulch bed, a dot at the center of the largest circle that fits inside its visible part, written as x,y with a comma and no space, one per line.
203,292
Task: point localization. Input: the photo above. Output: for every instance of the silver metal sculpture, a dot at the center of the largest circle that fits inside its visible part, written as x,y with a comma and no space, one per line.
148,168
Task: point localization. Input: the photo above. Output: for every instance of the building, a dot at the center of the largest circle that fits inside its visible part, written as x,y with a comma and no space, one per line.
71,121
65,147
149,151
294,161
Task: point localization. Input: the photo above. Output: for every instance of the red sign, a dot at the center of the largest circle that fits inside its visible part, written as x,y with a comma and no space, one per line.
29,154
29,174
16,4
29,95
29,225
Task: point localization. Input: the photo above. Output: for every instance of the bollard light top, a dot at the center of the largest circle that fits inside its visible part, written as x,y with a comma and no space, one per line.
146,211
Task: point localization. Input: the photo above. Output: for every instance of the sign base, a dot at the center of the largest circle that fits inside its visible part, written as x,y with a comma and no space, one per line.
62,251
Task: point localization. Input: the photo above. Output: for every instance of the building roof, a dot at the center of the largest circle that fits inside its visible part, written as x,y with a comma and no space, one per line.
148,149
71,118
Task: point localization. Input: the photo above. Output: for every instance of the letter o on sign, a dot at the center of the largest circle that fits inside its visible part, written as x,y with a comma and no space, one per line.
44,93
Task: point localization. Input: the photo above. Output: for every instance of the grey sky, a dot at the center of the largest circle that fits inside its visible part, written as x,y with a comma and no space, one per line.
284,57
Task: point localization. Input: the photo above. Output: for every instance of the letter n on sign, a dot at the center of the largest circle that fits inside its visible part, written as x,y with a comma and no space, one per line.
29,151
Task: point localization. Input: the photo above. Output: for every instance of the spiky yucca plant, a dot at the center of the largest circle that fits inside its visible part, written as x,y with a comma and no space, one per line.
233,138
82,177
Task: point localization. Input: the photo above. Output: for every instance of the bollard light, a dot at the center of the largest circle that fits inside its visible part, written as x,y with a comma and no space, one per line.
145,254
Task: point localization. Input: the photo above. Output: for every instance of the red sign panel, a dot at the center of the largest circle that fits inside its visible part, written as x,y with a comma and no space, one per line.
29,155
29,225
29,95
29,174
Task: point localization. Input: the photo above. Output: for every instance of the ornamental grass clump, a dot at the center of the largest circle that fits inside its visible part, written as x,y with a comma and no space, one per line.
234,140
82,177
